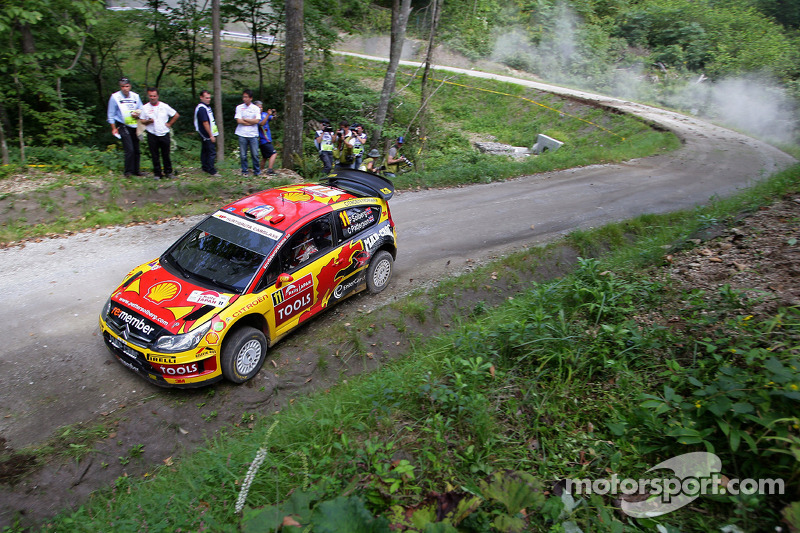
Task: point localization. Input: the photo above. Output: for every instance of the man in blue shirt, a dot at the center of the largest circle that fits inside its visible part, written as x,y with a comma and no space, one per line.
124,107
268,152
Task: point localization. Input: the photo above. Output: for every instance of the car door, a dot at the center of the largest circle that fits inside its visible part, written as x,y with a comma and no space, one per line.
352,224
291,279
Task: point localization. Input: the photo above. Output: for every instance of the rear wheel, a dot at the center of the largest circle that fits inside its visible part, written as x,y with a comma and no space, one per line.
379,272
243,354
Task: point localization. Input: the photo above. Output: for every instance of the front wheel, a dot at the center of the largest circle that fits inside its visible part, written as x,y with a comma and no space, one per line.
379,272
243,354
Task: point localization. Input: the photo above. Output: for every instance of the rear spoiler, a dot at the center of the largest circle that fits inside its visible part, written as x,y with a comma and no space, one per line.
360,183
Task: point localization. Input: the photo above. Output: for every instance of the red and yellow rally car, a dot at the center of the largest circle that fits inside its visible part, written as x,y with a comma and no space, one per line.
247,275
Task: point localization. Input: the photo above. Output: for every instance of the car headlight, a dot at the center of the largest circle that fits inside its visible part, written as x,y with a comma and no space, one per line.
106,309
181,343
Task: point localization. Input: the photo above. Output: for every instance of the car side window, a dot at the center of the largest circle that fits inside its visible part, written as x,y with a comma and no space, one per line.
356,220
308,243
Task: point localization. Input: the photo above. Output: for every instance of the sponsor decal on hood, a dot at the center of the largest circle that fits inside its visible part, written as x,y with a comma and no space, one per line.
171,304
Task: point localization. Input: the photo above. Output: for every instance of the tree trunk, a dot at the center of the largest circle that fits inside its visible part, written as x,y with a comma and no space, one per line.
216,51
295,85
27,41
400,11
3,143
424,89
20,121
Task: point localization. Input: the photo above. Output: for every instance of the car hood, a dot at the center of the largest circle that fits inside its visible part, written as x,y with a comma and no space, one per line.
152,302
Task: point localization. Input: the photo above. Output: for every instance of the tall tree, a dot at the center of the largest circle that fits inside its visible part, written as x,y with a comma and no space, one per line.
263,19
104,51
425,92
293,124
41,44
162,39
401,9
216,28
190,19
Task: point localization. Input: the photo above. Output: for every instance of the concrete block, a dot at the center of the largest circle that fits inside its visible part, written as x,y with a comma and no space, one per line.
545,143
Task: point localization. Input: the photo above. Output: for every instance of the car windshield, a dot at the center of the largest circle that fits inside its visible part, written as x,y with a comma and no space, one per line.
224,251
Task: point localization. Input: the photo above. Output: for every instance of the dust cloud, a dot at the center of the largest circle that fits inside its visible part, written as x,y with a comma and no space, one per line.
754,103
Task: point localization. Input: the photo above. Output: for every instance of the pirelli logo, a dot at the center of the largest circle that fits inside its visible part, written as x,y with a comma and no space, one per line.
277,297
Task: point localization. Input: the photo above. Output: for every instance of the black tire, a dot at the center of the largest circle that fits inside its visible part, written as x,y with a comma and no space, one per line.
243,354
379,272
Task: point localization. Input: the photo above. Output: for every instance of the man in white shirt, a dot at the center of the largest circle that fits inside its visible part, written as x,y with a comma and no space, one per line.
158,117
248,115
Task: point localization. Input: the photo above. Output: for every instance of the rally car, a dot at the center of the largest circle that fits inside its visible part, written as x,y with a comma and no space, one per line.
247,275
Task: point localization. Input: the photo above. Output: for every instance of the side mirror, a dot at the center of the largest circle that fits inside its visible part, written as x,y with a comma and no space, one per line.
283,279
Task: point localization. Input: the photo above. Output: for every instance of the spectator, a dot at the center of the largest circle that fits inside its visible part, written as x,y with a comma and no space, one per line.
124,107
393,158
372,162
247,118
268,153
158,117
207,128
344,142
324,141
359,140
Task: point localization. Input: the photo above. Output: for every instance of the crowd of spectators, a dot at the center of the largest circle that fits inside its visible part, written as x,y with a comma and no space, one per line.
342,147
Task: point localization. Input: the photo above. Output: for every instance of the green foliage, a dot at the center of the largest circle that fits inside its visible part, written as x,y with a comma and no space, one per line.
467,26
66,125
724,40
339,97
741,398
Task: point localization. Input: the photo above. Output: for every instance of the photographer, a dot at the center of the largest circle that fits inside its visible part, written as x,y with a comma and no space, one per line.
394,159
359,140
344,142
324,142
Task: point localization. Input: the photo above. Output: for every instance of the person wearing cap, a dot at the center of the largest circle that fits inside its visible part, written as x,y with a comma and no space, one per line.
268,153
324,141
372,162
124,107
393,158
359,140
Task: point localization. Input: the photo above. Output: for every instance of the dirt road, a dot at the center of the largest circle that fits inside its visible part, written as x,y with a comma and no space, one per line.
55,371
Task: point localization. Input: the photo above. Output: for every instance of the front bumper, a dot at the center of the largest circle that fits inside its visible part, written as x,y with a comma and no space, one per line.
135,359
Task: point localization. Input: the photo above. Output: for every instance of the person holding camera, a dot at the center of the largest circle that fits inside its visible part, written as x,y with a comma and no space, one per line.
372,162
393,158
344,143
325,143
268,152
359,141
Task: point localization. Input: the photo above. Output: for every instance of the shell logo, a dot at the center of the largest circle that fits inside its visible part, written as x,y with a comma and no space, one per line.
297,197
161,292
